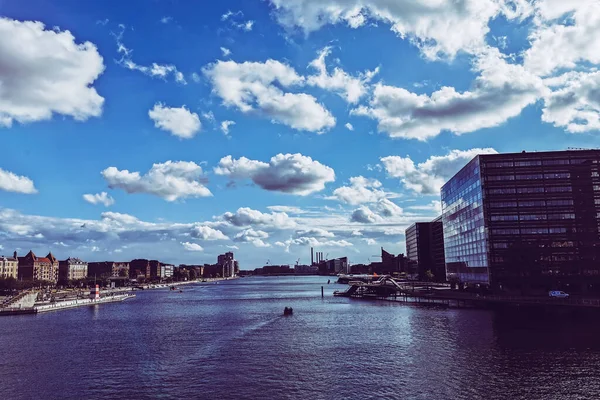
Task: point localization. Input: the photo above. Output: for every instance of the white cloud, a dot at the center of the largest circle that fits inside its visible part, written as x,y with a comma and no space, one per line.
349,126
195,77
207,233
45,72
225,126
245,216
181,122
313,242
171,180
429,176
287,173
166,20
245,26
192,246
376,213
226,52
287,209
253,236
315,232
99,198
563,42
435,206
348,87
574,103
156,70
254,87
11,182
430,25
234,17
361,190
500,92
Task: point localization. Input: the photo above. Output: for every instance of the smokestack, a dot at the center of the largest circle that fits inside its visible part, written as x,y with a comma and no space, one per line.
312,256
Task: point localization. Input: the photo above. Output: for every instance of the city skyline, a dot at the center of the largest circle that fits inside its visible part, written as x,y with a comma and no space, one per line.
268,127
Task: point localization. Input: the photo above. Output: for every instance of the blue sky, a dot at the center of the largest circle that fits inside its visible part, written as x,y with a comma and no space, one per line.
345,117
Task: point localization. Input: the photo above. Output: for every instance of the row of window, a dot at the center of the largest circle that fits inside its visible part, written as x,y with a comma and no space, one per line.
566,244
532,217
531,163
529,231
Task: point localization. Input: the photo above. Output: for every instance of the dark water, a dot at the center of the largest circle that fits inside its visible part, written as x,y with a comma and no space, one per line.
231,341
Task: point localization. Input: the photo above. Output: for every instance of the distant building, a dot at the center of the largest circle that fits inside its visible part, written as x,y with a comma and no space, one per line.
166,271
334,266
139,267
390,264
425,250
71,269
9,267
106,269
525,221
306,269
32,267
227,263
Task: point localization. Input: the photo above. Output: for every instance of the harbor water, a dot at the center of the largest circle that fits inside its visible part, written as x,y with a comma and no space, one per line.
231,341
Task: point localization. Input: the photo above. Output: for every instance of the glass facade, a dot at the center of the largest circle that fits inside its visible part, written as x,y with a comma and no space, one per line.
465,236
525,221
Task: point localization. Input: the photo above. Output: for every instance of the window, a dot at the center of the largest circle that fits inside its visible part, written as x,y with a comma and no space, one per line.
499,164
561,216
505,218
502,191
559,189
530,176
502,204
555,162
557,175
530,190
532,203
534,231
566,202
505,231
501,178
532,217
527,163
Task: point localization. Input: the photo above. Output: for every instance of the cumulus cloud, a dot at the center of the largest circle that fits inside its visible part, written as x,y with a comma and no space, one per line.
429,176
314,232
99,198
181,122
11,182
563,42
225,126
254,87
501,91
253,236
245,216
312,242
45,72
349,126
361,190
287,173
207,233
376,212
435,206
429,25
192,246
171,180
348,87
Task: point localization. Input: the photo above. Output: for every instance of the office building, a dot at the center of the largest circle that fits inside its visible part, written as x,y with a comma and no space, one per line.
228,264
425,251
524,221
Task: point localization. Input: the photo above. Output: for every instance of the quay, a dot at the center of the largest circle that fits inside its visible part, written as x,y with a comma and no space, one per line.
388,289
26,302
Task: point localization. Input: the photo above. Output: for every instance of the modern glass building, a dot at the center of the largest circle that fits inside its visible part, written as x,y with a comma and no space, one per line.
525,221
425,250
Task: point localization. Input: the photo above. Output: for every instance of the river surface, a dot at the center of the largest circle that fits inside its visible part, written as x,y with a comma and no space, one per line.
231,341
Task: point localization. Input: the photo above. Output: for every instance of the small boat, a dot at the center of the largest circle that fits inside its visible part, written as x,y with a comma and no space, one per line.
288,311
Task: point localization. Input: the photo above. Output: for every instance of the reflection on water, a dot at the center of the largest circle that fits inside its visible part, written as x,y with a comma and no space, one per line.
231,341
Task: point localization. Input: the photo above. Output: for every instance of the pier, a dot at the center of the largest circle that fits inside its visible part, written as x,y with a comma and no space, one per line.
387,288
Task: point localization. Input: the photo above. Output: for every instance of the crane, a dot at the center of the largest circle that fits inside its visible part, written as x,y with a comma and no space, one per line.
268,261
297,261
326,255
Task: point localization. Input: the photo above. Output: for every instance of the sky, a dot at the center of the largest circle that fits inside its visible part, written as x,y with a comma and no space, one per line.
179,130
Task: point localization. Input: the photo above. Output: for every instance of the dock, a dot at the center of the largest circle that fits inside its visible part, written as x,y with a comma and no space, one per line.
23,303
387,288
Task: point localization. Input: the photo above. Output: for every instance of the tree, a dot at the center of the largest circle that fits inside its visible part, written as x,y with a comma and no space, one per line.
429,275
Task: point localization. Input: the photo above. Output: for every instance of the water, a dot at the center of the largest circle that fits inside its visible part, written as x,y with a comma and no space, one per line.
230,341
